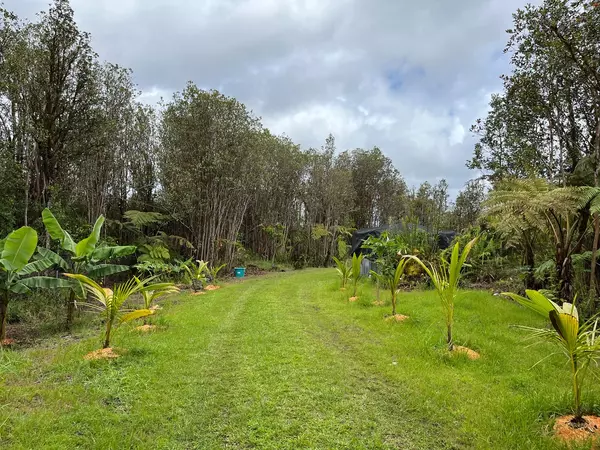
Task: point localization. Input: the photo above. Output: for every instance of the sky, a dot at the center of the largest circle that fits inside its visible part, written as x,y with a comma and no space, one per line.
409,77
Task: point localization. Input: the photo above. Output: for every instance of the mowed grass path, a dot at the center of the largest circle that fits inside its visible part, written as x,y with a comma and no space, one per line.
285,362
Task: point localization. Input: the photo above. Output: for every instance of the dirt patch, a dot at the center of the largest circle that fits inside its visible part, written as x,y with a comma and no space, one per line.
103,353
212,287
378,303
352,299
155,308
570,432
146,328
199,293
471,354
8,342
343,289
397,318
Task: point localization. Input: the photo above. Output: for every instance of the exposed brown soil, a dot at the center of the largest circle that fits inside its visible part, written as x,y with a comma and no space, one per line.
378,303
103,353
7,342
146,328
471,354
567,431
212,287
352,299
397,318
199,293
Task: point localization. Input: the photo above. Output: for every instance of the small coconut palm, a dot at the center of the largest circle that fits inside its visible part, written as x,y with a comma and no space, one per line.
446,278
344,271
578,343
356,266
112,300
392,281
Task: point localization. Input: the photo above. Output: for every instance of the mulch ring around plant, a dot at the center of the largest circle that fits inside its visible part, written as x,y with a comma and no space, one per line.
567,431
104,353
378,302
145,328
397,318
471,354
212,287
8,342
352,299
199,293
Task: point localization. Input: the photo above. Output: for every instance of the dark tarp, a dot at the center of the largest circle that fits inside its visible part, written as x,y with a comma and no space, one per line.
445,238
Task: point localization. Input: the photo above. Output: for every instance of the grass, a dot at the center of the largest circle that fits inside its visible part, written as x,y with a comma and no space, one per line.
285,362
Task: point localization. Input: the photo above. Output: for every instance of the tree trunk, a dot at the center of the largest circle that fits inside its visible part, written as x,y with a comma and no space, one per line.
107,335
3,315
593,286
449,338
529,260
70,310
565,276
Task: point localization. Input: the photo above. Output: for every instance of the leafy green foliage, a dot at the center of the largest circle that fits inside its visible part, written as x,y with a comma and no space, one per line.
356,266
17,249
111,300
344,270
213,272
446,280
579,344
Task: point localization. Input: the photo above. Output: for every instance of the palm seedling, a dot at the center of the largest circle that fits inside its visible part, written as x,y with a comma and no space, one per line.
197,273
111,301
344,271
213,272
578,343
356,266
446,278
392,281
157,290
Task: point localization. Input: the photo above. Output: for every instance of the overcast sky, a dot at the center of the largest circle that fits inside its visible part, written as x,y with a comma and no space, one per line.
407,76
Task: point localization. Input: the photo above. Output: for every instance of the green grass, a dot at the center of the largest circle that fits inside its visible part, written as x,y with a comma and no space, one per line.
285,362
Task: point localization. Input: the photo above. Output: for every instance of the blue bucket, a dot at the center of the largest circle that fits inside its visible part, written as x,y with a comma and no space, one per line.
239,272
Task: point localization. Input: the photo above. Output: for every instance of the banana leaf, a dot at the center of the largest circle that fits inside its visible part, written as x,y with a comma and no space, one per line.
54,257
86,246
56,231
106,253
104,270
19,247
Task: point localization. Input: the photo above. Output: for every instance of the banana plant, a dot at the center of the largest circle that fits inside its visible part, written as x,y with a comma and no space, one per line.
356,263
16,270
344,271
580,344
83,257
111,301
392,281
213,272
446,278
197,273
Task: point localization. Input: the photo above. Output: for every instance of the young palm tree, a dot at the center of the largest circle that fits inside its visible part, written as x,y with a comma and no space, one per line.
393,280
445,279
112,300
344,271
356,266
580,344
